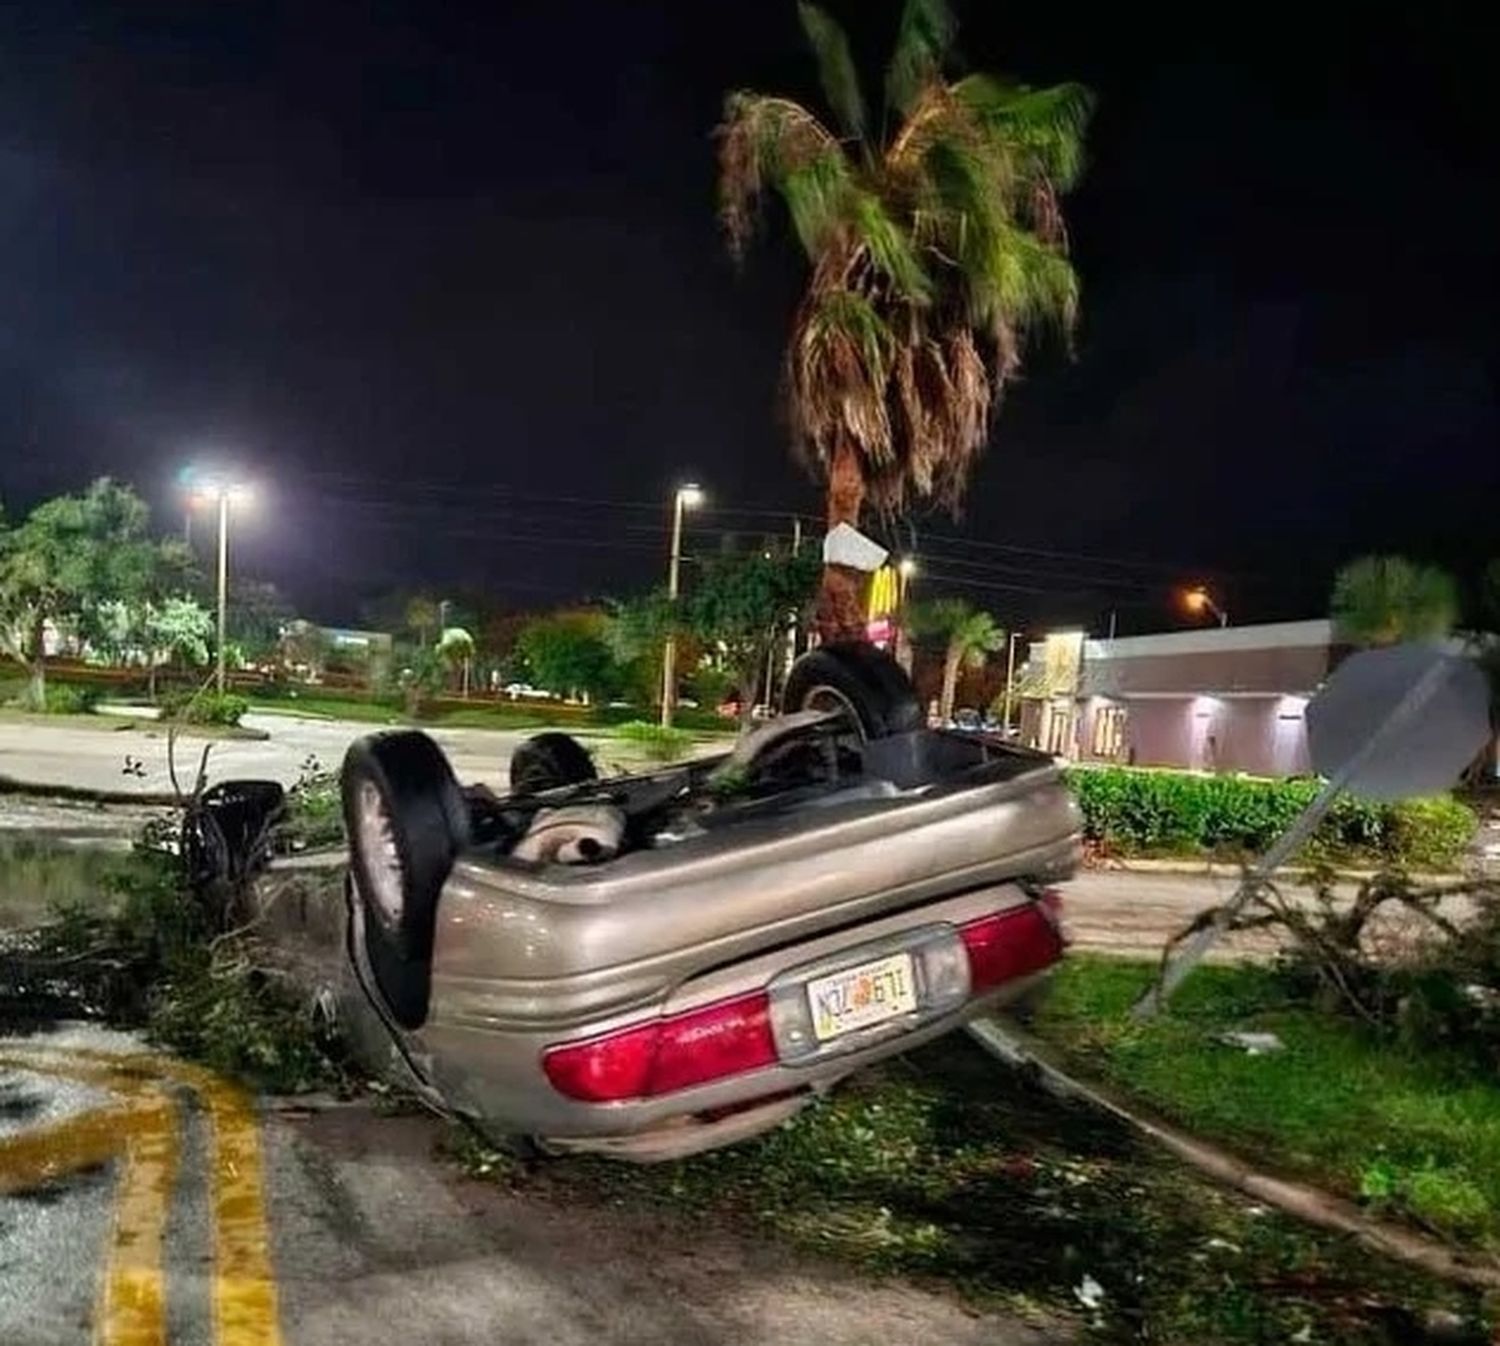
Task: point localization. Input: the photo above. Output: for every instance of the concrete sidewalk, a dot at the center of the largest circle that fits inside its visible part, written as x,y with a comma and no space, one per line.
1133,914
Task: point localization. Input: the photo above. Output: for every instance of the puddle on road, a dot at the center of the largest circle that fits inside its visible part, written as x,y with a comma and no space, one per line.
41,873
53,859
18,1103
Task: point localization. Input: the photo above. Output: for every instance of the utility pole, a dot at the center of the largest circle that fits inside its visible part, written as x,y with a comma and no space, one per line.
792,632
1010,677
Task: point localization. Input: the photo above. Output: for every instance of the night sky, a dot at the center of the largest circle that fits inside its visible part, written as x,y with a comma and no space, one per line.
446,281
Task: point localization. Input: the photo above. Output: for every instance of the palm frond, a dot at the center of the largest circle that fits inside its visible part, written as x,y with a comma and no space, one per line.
1011,278
923,40
979,636
890,248
837,369
836,70
1380,600
1027,284
762,140
1047,124
818,196
939,618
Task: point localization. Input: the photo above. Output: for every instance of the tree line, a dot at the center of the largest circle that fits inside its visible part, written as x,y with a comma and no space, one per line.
84,574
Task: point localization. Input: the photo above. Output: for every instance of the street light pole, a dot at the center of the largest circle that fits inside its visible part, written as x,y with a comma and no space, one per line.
223,583
205,488
686,495
1198,599
906,570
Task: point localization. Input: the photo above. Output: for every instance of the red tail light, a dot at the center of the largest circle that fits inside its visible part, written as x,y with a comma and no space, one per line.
660,1057
1012,944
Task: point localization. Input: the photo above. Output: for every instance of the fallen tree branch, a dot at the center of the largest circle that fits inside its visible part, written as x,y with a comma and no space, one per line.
1018,1049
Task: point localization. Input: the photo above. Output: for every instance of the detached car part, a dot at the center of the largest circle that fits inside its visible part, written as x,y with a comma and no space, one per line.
657,964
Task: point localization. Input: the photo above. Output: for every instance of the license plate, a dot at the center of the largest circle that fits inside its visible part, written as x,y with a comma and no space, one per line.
860,996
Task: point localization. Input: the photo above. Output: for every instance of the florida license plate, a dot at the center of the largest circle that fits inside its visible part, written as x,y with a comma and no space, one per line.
860,996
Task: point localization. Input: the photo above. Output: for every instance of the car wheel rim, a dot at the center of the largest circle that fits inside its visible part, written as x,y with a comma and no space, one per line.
377,846
830,699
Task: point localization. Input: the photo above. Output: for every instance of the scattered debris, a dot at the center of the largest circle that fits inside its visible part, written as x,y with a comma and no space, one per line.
1089,1292
1253,1044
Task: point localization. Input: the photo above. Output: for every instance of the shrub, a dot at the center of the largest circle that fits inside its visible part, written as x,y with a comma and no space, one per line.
159,956
662,743
203,707
710,687
1430,833
68,698
1144,812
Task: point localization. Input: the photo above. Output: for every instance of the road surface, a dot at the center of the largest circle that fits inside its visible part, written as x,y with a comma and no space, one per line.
94,758
143,1200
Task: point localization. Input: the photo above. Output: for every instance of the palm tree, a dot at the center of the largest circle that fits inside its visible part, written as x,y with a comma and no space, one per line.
1383,600
455,648
936,249
423,617
970,637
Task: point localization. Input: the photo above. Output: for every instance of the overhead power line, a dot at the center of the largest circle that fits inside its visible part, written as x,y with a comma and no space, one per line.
497,501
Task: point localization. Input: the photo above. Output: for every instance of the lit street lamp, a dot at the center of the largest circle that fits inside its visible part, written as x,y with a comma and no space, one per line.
688,496
1198,599
207,490
906,569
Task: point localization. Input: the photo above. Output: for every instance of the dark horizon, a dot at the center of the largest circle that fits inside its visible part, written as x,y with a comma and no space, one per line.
448,283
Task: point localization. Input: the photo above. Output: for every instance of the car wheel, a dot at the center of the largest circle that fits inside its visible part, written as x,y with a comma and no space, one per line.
549,761
406,821
865,683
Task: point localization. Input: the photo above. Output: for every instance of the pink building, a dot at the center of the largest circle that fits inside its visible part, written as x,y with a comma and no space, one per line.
1217,699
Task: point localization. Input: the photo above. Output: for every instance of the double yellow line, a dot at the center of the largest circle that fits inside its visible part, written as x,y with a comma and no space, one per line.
142,1129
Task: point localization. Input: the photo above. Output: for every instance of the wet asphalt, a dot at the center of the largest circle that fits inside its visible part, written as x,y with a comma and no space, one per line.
330,1224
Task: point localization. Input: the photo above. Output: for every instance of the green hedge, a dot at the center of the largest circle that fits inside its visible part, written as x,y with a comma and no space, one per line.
1178,813
68,698
203,707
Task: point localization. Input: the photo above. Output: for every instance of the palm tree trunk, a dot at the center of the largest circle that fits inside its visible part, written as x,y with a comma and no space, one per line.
839,614
950,681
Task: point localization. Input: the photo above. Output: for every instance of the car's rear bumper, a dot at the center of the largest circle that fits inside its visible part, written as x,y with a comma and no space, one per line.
692,1133
497,1076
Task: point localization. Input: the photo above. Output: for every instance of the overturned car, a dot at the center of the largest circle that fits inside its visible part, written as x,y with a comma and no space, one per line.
657,964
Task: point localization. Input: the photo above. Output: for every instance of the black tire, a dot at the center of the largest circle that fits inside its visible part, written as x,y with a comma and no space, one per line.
407,821
855,676
549,761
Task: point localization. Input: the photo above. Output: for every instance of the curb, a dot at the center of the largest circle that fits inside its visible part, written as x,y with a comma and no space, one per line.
1219,869
78,794
1021,1051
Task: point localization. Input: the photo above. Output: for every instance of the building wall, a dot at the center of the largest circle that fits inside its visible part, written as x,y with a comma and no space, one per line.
1263,735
